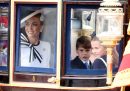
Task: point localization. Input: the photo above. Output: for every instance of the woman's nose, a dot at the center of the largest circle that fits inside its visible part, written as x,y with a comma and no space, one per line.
30,27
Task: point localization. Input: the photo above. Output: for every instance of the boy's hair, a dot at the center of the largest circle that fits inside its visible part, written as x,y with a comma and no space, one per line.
84,42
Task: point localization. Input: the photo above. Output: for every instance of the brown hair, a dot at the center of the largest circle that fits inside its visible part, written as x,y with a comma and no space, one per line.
84,42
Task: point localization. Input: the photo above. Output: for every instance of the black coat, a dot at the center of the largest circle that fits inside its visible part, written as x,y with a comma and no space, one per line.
78,64
98,63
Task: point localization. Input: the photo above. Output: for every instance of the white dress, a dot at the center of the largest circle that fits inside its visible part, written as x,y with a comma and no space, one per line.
44,50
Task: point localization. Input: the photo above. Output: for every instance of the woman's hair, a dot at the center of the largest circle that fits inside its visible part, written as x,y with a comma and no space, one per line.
95,38
38,15
115,57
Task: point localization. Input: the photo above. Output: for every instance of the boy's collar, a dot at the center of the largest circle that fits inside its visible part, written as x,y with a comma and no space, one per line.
88,61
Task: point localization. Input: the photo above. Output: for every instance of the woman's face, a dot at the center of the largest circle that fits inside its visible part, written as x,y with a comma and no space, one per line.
97,49
33,27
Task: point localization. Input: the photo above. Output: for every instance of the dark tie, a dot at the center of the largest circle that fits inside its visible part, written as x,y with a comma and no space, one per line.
33,52
87,65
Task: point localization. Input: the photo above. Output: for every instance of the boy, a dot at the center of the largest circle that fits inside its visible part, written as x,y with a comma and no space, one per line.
83,49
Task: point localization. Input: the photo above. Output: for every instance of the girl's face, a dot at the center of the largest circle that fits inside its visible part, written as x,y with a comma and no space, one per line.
83,53
97,49
33,27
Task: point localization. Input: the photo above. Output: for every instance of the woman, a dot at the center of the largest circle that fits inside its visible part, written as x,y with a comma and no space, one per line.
34,52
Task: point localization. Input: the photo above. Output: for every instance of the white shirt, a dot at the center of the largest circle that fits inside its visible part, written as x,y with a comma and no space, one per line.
43,48
87,61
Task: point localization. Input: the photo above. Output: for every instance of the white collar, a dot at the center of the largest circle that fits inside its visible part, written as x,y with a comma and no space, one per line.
87,61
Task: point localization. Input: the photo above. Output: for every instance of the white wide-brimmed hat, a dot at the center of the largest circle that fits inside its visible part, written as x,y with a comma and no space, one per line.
22,22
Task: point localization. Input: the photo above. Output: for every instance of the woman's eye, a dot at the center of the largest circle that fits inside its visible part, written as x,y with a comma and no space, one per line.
27,24
34,24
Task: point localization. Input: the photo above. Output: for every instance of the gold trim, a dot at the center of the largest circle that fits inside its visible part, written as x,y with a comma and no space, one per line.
33,78
122,78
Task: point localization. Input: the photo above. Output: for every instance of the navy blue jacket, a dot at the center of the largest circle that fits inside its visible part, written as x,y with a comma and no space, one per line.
78,64
98,63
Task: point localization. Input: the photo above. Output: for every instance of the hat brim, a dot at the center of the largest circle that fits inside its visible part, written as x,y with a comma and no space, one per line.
29,16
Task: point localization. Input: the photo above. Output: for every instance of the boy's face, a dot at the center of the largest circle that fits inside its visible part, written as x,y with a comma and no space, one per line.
83,53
